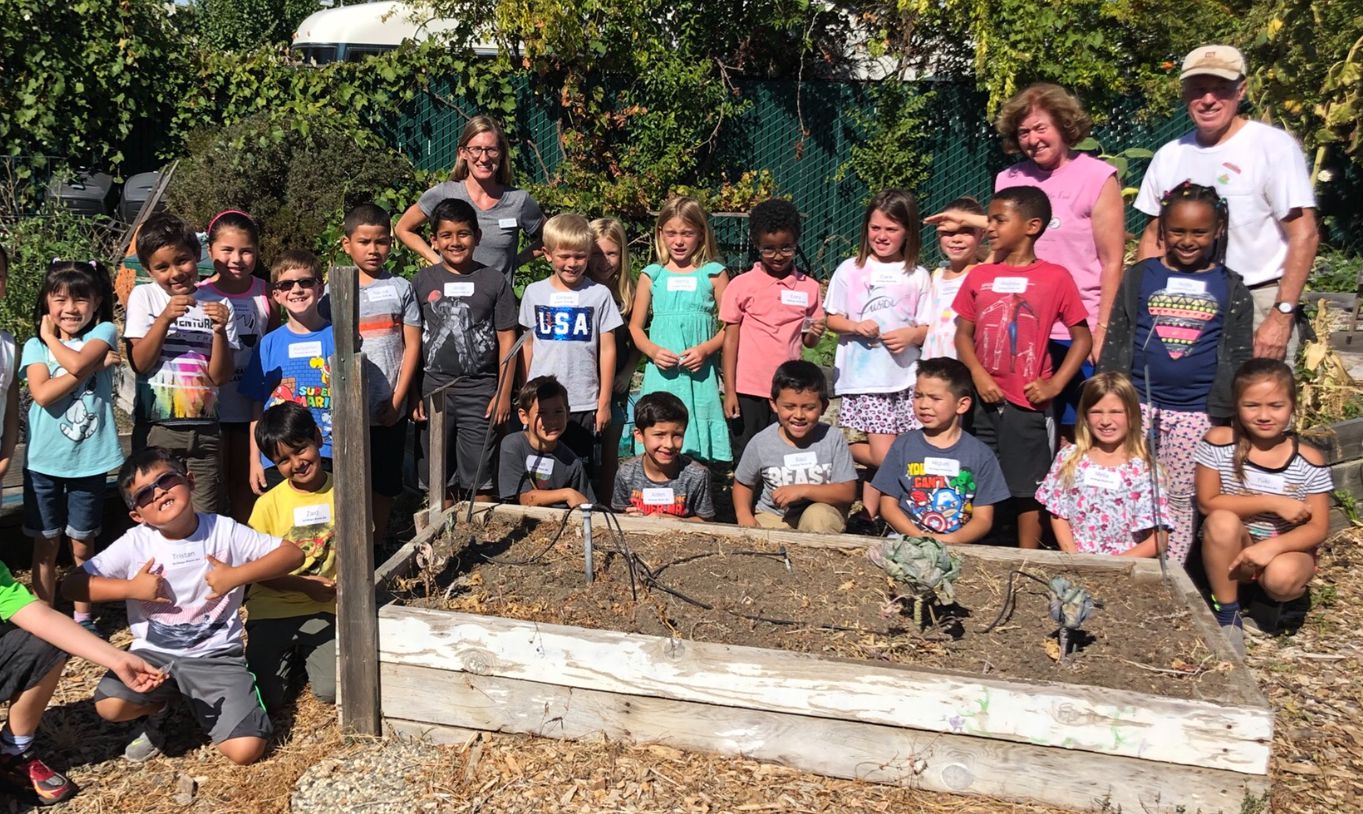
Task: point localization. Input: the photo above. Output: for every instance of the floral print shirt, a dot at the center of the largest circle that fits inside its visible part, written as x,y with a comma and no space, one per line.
1108,508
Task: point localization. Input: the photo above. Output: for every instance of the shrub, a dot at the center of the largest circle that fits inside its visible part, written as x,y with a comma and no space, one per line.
32,242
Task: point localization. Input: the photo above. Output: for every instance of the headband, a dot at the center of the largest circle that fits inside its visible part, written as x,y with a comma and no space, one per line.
92,264
214,219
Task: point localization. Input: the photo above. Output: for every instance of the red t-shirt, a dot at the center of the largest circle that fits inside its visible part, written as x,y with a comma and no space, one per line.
1013,308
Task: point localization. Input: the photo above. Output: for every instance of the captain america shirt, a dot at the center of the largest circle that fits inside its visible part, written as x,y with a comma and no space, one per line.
939,488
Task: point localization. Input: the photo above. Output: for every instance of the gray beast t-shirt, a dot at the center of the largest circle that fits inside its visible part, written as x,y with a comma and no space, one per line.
501,226
777,463
687,495
939,488
568,328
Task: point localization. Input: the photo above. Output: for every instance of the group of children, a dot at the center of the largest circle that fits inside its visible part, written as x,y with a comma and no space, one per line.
946,393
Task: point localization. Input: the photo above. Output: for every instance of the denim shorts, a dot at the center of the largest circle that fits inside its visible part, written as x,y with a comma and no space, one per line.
54,505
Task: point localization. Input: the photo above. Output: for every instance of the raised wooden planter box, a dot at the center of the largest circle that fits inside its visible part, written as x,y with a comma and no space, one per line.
1342,444
1078,746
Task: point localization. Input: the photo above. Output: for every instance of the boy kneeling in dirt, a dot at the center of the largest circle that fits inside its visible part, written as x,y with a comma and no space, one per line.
182,575
662,481
805,468
536,470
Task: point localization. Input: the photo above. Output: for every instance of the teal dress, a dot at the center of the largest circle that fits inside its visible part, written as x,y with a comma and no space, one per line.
683,316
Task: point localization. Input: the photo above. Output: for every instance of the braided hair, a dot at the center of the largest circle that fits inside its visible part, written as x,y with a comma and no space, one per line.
1197,193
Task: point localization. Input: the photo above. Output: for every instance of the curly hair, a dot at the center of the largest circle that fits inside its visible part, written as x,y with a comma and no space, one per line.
1062,106
774,215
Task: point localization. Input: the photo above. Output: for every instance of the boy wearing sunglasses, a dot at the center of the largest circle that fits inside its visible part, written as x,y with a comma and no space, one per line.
292,362
181,351
182,574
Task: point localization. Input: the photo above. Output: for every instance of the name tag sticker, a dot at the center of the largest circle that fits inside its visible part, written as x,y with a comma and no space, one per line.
1102,478
802,459
563,298
305,350
1182,285
539,466
507,223
886,277
1265,483
312,515
659,496
946,467
379,294
800,299
1010,285
458,289
681,283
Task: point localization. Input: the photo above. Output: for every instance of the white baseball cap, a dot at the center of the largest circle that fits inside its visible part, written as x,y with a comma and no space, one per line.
1214,60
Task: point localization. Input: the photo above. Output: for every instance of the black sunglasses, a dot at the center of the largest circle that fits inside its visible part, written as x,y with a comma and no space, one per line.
168,480
307,284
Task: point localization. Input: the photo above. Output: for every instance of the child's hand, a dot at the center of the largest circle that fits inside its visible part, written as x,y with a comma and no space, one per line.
319,589
178,306
112,359
419,410
693,358
784,496
664,358
1293,511
899,340
987,388
1040,391
1252,560
575,499
257,477
138,675
868,328
633,511
498,411
603,418
218,313
730,404
145,586
748,522
220,577
45,331
817,327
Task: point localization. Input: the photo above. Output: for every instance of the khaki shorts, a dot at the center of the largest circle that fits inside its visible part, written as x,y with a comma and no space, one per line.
816,517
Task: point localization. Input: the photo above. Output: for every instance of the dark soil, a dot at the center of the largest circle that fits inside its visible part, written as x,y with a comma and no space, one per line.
827,601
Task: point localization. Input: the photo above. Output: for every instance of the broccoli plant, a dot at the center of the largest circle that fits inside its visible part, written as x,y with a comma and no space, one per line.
924,567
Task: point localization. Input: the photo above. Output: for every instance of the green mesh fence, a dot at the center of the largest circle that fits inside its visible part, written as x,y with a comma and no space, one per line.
802,133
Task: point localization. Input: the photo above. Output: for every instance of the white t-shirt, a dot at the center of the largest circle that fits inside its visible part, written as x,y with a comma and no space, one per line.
190,624
888,294
177,389
935,311
1260,171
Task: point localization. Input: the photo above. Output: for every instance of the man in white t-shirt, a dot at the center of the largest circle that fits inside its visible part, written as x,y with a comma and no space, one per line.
1261,172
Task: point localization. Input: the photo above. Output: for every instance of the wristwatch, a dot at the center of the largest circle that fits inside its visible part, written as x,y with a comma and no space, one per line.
1287,308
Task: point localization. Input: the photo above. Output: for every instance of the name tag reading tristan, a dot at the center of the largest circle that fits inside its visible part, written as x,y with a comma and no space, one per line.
887,277
659,496
1182,285
564,298
539,466
1010,285
305,350
507,223
681,283
946,467
799,299
316,514
1102,478
379,294
458,289
1265,483
802,459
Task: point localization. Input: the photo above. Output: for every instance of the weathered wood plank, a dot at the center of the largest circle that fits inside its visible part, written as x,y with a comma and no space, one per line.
433,733
356,626
1340,442
838,748
400,564
1214,735
436,475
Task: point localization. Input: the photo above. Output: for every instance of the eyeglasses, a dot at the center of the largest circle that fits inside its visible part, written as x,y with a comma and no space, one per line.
307,284
168,480
784,251
480,152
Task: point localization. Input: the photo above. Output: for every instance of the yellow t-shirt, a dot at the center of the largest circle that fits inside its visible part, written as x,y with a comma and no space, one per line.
305,519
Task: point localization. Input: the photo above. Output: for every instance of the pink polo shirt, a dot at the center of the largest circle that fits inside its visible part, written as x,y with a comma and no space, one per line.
770,313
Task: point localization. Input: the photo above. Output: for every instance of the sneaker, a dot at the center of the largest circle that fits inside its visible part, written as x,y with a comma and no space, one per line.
147,739
90,627
27,773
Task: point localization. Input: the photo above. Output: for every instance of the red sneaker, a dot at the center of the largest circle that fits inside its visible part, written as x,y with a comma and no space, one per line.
28,773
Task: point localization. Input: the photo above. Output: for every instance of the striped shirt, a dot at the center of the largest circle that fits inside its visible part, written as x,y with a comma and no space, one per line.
1295,479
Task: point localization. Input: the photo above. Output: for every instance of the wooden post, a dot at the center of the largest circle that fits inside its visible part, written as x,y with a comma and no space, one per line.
436,474
356,614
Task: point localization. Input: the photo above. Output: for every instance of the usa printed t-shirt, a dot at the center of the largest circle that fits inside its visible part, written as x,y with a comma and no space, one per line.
251,320
74,437
524,468
307,520
567,327
1013,308
768,459
191,624
939,487
687,495
176,389
1186,311
294,367
461,314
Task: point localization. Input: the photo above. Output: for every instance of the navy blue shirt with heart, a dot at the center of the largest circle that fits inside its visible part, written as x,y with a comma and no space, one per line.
1178,330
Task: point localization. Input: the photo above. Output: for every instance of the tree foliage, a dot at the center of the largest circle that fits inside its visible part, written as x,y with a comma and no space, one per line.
239,25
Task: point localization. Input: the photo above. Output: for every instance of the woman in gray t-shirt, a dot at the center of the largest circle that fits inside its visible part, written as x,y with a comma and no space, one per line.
482,177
